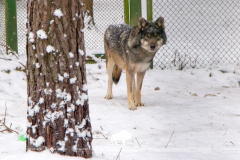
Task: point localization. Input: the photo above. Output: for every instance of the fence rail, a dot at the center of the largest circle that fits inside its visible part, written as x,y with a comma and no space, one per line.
199,32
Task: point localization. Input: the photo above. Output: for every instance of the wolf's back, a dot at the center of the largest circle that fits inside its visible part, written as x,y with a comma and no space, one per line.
112,35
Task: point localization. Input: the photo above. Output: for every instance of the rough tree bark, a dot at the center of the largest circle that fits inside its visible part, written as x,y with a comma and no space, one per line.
58,113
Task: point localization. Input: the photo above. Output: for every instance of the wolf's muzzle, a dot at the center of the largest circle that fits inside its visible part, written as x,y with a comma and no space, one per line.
152,46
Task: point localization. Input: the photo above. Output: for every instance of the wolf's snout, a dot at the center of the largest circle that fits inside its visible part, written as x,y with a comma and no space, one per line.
152,46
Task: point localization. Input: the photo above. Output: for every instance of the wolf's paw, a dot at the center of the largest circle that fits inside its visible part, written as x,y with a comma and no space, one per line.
109,96
139,104
132,107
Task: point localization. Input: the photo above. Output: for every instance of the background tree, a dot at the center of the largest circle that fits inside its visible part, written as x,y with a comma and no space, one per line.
58,113
88,10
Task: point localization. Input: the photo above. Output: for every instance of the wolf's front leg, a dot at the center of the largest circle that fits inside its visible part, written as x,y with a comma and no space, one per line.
140,77
130,90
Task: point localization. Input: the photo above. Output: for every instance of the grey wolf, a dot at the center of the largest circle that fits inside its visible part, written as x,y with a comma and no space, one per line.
132,49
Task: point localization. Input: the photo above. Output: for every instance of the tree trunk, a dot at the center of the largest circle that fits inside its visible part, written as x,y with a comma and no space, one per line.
88,10
58,113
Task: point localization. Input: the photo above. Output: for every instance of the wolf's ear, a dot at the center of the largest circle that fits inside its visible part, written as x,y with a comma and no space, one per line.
160,23
142,24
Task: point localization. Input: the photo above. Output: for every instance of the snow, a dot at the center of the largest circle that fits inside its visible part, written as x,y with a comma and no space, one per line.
77,64
50,49
62,145
71,55
195,114
66,75
70,131
122,136
79,102
73,80
51,21
41,34
81,52
41,100
36,108
60,78
58,13
39,141
37,65
48,91
31,37
85,87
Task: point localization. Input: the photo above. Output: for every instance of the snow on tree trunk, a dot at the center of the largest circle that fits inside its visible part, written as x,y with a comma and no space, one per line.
58,113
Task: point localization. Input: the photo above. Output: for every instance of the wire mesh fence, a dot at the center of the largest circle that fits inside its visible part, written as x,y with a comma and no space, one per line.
105,12
199,32
21,26
2,27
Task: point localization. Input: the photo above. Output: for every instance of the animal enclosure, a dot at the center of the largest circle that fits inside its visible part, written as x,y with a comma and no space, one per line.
199,33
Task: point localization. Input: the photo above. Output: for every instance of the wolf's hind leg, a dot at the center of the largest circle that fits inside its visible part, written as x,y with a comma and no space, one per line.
140,77
110,64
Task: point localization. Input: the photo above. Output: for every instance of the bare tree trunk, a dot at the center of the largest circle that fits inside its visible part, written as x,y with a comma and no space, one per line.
58,113
88,9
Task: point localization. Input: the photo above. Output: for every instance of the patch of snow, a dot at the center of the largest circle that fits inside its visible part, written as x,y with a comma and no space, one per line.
31,37
37,142
50,49
79,102
66,75
41,34
71,55
41,100
62,146
122,136
30,111
51,21
36,108
60,78
73,80
58,13
37,65
53,106
47,91
84,87
70,131
81,52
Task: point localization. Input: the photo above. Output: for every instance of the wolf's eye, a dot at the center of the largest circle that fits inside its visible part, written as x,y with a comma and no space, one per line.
146,36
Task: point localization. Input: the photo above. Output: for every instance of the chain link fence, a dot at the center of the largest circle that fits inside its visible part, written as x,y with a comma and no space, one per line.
105,12
2,27
21,26
199,32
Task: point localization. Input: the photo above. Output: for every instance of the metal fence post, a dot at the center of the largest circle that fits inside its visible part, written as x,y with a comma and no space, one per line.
135,12
126,11
149,18
11,25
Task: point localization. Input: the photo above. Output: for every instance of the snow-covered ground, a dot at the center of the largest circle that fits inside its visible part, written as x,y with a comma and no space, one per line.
194,115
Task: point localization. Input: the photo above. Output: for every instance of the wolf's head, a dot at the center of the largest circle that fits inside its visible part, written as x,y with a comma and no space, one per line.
152,34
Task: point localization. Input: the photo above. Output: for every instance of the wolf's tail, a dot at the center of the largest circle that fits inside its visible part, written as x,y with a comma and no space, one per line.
116,74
